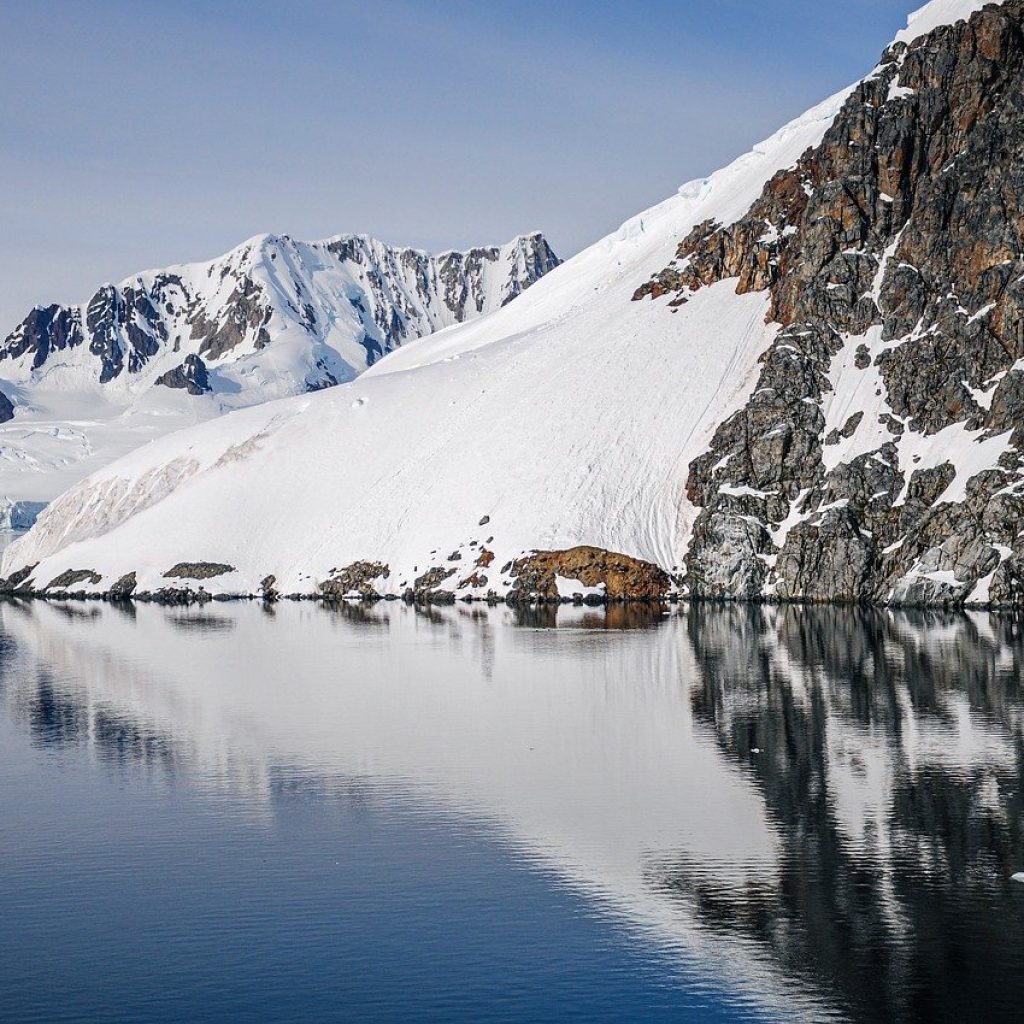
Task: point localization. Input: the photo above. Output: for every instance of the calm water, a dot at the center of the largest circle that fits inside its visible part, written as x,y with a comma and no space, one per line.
377,814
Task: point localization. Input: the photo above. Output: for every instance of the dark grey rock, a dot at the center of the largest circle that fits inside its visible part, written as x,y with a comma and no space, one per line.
427,589
191,375
359,578
72,576
18,581
123,588
198,570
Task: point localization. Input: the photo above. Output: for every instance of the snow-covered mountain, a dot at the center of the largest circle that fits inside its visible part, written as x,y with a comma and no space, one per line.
336,306
274,317
800,378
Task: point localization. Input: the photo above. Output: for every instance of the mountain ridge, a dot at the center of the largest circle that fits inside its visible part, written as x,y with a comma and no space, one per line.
239,303
82,384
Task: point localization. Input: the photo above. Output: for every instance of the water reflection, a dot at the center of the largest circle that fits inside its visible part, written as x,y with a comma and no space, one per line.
887,747
203,622
51,719
822,807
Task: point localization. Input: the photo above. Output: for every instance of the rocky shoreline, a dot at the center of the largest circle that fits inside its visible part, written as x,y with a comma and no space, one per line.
581,577
172,597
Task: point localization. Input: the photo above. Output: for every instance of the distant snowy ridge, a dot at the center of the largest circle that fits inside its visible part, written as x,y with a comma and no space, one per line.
800,378
335,306
82,385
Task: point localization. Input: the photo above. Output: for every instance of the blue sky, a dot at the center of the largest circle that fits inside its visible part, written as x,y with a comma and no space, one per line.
137,134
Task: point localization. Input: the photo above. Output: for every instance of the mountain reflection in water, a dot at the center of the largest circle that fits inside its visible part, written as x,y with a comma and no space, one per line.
818,808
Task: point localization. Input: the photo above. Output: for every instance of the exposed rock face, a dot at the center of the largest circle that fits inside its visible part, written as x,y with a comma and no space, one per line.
6,408
198,570
474,580
73,576
123,588
621,576
356,580
427,586
190,375
274,285
19,580
880,456
268,588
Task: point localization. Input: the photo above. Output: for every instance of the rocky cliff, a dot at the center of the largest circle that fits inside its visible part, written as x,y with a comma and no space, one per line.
879,455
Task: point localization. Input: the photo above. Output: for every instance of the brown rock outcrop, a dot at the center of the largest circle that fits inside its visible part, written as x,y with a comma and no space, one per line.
622,576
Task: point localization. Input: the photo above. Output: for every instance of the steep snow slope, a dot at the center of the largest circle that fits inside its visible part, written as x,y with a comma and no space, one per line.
938,13
568,415
272,318
574,416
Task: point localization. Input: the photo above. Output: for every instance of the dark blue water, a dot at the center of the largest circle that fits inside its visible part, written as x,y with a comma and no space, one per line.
380,816
131,899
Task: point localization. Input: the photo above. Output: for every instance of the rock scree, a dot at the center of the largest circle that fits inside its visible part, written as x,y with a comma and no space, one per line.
357,580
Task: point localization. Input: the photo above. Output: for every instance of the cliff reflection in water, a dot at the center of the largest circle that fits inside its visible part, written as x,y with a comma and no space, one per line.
887,747
820,806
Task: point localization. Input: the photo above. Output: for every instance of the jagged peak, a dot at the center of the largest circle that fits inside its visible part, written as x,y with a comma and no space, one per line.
253,250
351,292
523,240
